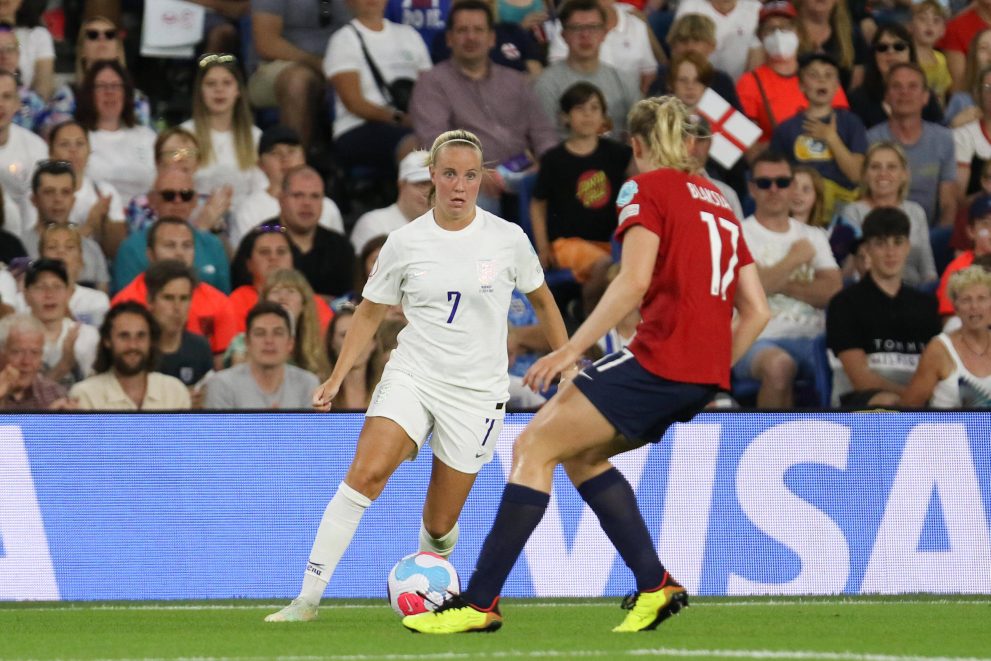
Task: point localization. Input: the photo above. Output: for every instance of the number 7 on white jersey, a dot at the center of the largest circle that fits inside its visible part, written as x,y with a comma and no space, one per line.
720,281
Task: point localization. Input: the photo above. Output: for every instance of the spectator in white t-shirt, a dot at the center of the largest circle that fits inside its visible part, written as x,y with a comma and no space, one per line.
280,149
70,346
223,126
736,29
799,275
413,202
20,150
370,126
626,46
123,152
37,51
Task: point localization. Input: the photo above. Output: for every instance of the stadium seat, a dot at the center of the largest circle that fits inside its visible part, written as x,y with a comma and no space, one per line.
823,372
939,239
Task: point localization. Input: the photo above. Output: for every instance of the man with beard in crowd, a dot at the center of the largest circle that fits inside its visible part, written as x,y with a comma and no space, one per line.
127,355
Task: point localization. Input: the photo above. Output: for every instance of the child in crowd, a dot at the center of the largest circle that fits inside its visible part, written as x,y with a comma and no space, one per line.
806,197
223,125
927,27
574,202
830,140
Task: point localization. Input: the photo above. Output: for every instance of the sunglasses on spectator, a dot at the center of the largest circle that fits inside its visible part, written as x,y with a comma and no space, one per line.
95,35
169,195
898,47
270,228
218,58
765,183
180,154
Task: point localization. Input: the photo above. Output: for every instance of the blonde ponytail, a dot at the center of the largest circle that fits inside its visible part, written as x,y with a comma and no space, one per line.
662,123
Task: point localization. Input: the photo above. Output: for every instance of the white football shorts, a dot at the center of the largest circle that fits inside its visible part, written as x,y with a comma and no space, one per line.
463,440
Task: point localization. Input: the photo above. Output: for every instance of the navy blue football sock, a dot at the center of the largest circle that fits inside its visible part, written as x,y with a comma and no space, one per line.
611,498
520,511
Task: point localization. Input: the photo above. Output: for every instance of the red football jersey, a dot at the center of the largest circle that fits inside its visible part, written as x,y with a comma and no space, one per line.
686,332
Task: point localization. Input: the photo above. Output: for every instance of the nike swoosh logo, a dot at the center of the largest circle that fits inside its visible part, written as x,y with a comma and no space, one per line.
482,454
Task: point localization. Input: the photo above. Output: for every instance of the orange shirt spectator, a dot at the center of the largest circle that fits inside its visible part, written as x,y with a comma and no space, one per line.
210,312
245,297
784,98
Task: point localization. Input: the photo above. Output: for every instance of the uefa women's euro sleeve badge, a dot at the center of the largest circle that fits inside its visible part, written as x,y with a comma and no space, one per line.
626,193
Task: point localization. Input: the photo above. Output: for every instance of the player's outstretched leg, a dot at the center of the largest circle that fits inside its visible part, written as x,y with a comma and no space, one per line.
477,608
609,495
337,527
648,609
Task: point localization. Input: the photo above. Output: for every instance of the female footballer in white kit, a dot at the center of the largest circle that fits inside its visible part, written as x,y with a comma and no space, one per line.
453,270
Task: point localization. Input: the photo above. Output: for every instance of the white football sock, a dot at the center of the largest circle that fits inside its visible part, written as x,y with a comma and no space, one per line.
442,546
340,520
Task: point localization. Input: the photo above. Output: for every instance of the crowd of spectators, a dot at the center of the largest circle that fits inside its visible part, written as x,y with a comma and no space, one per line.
213,259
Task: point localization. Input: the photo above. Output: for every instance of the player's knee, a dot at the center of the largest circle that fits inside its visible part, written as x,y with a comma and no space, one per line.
367,480
531,450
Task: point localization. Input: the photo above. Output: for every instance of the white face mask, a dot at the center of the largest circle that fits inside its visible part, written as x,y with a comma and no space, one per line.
781,44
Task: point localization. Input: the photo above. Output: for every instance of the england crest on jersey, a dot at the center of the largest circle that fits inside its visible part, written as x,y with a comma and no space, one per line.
486,274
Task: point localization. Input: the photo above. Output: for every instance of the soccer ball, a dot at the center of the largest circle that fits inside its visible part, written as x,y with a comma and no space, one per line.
420,582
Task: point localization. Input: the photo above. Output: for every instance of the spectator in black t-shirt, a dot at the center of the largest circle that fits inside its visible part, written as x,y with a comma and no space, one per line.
326,258
574,202
184,355
879,327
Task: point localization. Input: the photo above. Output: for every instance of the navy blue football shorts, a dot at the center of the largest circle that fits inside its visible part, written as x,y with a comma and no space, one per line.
639,404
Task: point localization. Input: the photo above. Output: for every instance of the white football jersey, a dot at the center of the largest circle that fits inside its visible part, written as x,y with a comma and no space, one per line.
455,289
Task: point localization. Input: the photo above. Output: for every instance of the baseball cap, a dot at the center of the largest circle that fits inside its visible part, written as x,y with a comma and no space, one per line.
699,127
809,58
777,8
277,135
980,207
413,167
54,266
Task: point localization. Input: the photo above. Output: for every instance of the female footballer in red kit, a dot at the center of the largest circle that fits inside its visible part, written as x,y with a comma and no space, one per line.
686,264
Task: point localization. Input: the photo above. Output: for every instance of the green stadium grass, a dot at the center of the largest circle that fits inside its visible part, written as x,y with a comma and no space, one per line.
837,629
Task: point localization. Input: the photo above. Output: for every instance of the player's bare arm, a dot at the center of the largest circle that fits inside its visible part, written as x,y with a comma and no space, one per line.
548,316
640,247
752,308
368,317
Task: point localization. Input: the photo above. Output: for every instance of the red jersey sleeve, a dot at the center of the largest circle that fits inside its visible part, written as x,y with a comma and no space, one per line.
635,208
